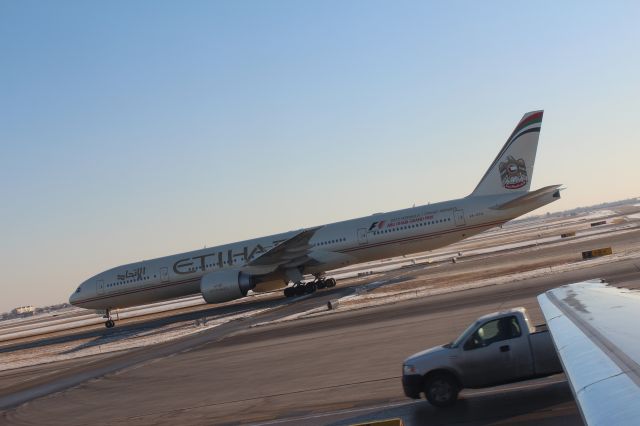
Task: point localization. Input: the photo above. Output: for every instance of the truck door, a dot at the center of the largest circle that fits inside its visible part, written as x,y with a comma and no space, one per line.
497,352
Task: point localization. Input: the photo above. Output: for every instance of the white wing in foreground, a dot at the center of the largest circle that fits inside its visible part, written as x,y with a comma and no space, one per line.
596,332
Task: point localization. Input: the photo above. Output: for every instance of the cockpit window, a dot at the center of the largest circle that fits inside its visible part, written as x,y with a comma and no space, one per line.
78,289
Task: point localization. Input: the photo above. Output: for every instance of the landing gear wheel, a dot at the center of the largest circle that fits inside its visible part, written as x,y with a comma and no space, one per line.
109,322
321,284
441,390
310,288
300,289
330,282
289,291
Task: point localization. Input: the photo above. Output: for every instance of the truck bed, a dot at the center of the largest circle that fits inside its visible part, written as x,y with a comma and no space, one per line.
545,358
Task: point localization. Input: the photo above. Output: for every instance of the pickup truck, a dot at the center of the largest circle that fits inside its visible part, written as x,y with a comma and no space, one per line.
497,348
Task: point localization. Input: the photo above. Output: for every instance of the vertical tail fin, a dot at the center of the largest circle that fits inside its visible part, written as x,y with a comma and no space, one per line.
512,169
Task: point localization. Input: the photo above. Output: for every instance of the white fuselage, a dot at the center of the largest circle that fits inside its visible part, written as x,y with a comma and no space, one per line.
379,236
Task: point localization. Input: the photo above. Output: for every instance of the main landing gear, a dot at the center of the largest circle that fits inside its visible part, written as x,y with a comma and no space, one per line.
301,288
109,323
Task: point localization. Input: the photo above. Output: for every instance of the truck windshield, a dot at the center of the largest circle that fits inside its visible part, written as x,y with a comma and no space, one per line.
461,337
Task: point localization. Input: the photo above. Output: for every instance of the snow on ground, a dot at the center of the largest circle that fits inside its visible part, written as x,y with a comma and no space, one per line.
82,317
121,340
47,316
363,299
397,263
115,341
44,323
597,214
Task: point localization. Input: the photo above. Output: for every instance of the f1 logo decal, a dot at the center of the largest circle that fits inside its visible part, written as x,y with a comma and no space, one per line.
379,225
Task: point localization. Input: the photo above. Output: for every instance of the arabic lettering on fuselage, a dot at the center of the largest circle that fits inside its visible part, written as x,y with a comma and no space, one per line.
137,273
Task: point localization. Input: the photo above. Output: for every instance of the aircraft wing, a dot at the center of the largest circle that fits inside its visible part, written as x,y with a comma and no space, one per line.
289,253
596,332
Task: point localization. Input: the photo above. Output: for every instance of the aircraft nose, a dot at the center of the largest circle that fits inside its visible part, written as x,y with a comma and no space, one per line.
73,299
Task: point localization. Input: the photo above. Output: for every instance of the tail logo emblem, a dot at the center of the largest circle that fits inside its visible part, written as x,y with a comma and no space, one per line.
513,173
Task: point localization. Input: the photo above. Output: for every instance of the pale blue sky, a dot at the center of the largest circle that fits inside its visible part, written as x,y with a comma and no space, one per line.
132,130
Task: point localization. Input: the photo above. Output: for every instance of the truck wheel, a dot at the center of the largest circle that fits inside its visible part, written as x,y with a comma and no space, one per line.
441,390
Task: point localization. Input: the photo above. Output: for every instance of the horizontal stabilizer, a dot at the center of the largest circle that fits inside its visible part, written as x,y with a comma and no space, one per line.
530,197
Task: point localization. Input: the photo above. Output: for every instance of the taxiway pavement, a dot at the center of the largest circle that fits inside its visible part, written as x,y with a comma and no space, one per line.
340,368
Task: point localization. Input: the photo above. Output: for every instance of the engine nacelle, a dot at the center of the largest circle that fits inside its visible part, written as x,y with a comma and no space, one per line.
223,286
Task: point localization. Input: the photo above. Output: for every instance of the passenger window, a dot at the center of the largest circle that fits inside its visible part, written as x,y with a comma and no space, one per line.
494,331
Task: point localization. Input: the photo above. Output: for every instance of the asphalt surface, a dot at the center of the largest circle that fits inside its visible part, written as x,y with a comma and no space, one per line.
337,369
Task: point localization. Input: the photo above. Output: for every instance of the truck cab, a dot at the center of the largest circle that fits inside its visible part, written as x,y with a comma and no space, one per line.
498,348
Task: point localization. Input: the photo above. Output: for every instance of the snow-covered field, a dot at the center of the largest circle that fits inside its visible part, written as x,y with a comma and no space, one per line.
76,318
117,341
363,297
597,214
446,253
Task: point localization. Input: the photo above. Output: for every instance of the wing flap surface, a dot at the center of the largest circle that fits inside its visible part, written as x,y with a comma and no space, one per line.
594,329
294,250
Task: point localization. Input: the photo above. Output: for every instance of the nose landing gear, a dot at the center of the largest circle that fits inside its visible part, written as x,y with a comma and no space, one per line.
109,323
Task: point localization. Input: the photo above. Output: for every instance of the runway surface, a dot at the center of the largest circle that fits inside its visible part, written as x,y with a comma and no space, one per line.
340,368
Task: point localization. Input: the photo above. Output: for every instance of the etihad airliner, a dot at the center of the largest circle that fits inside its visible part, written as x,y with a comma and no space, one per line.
229,271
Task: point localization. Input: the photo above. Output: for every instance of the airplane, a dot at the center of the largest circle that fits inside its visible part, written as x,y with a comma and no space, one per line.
593,329
229,271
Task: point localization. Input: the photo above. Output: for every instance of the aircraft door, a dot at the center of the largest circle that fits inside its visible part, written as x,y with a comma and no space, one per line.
100,286
362,236
458,217
164,275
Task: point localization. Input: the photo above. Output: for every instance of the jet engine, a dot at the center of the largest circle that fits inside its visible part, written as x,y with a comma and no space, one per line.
223,286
